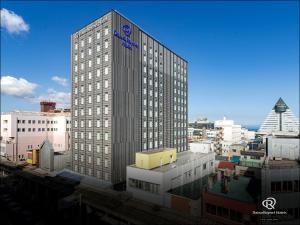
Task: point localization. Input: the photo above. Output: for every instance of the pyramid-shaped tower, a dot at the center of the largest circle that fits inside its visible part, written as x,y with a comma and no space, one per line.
280,119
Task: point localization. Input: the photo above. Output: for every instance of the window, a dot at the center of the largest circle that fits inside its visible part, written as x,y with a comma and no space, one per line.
106,83
90,63
106,43
98,60
98,47
98,161
98,72
106,163
106,31
106,123
106,57
106,149
106,110
105,70
90,39
98,136
90,51
106,136
106,97
98,123
82,43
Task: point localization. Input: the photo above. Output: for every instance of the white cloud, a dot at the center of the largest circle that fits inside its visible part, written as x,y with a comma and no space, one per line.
17,87
21,88
60,80
12,22
62,99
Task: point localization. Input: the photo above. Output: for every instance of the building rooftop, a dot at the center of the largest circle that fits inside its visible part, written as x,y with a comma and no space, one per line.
182,158
280,104
156,151
226,165
29,113
282,164
237,189
253,153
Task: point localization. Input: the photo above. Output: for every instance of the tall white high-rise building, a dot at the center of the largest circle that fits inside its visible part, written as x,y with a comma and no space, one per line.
280,119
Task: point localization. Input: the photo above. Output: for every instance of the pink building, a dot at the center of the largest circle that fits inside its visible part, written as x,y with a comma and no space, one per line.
21,131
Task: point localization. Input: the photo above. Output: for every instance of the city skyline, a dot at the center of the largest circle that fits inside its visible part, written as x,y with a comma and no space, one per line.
262,46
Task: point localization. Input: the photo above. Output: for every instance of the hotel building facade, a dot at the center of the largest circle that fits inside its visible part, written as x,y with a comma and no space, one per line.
129,94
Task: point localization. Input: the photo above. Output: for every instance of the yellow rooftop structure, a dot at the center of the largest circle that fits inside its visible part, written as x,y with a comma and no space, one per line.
155,158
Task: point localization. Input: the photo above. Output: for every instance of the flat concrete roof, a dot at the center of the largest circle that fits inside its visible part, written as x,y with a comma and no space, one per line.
182,158
237,189
156,151
278,164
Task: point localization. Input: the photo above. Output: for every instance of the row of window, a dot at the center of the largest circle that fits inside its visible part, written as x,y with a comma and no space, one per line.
90,86
226,213
89,160
90,39
90,114
38,129
154,144
89,135
98,49
99,174
285,186
145,186
180,68
90,100
41,121
89,147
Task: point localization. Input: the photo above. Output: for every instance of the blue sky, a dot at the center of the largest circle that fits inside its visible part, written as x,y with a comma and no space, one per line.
242,56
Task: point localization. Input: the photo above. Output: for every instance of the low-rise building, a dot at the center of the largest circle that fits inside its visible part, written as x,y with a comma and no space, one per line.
202,146
251,163
231,200
247,135
21,131
152,184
